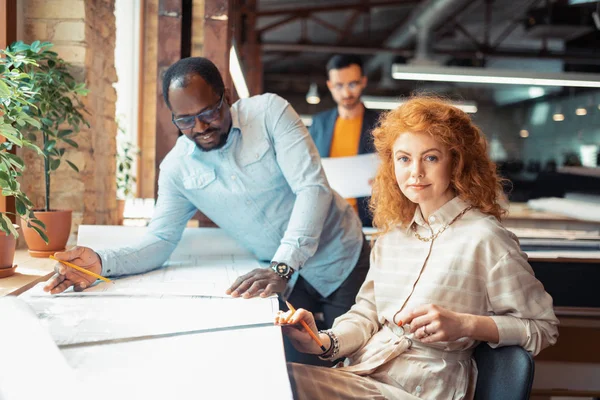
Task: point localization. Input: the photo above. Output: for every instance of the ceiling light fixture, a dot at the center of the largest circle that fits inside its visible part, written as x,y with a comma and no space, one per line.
535,92
389,103
237,76
558,116
581,111
524,133
494,76
312,96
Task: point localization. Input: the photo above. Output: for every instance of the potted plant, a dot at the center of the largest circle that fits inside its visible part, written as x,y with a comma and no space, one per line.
56,96
126,153
15,96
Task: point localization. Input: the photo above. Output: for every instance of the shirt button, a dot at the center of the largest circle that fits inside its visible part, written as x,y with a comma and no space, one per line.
432,219
257,156
418,389
233,177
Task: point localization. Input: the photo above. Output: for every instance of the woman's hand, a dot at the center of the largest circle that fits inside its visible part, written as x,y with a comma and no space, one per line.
301,340
431,323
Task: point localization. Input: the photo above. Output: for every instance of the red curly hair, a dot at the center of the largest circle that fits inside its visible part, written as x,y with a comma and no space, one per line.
474,177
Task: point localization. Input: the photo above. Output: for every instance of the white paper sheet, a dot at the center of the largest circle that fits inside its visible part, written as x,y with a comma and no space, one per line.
233,364
185,276
75,320
31,366
582,210
351,176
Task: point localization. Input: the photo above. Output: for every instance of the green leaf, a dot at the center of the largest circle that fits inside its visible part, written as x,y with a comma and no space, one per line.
72,165
35,46
38,222
4,90
31,121
65,132
71,142
54,164
34,148
40,232
11,133
20,206
49,146
8,224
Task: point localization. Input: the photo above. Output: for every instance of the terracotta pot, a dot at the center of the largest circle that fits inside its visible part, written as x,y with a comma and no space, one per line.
120,211
8,245
58,228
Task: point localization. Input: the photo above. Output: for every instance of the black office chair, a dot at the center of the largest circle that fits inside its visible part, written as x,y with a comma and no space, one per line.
504,373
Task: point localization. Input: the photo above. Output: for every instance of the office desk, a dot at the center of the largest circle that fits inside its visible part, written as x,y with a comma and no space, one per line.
521,216
196,361
30,271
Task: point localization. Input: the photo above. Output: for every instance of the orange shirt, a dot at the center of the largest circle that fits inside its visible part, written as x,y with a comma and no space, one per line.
346,138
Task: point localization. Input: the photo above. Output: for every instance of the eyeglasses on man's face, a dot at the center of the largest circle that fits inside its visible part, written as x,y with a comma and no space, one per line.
206,117
352,86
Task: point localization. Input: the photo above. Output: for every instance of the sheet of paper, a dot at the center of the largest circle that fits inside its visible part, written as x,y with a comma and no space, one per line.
566,234
533,254
232,364
31,366
582,210
351,176
187,275
88,319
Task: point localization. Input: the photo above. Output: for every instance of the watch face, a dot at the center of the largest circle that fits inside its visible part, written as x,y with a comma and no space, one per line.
282,269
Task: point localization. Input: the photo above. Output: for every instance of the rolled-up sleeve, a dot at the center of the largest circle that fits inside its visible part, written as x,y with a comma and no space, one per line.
521,308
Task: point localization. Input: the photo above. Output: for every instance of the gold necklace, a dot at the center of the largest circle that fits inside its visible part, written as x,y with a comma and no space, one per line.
435,235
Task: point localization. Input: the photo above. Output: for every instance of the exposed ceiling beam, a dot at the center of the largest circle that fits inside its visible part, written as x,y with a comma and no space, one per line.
323,48
348,26
570,57
326,24
275,24
335,7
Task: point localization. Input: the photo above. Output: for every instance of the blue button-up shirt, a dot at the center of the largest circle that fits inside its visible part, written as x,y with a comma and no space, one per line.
265,187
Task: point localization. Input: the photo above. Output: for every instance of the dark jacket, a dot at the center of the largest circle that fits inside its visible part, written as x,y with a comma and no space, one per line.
321,131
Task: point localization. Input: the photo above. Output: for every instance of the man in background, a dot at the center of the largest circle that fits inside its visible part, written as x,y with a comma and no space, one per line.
345,131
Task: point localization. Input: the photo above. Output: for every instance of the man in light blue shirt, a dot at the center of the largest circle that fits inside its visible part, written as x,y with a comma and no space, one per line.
253,169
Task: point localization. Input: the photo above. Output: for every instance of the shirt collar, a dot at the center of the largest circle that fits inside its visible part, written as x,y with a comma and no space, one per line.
442,216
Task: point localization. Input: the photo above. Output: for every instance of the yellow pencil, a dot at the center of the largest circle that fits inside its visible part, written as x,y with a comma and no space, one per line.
78,268
307,328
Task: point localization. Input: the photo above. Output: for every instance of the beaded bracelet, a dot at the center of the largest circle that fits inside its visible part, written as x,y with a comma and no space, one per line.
334,348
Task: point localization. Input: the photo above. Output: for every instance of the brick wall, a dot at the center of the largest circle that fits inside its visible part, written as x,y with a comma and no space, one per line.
83,32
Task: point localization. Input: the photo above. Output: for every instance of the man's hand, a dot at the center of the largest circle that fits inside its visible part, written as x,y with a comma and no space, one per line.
263,281
66,277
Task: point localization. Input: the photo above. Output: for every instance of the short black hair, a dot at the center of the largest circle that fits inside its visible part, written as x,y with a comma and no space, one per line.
340,61
185,68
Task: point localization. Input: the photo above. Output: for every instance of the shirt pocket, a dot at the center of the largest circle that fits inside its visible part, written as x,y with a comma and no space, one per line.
199,180
259,163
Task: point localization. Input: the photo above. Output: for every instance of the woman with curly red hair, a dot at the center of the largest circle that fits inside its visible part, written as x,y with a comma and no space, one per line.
445,274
